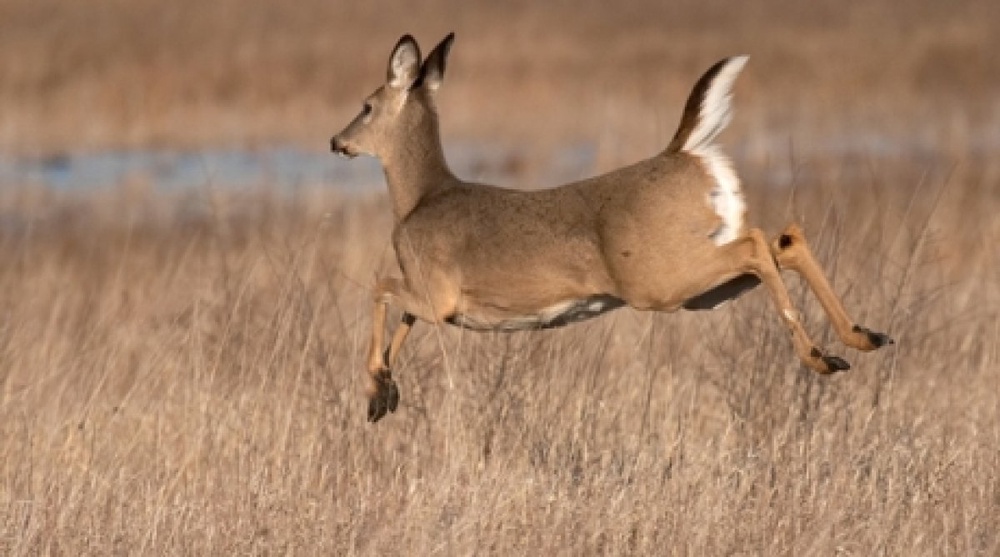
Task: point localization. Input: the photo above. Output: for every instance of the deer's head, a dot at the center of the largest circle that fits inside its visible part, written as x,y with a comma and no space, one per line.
402,109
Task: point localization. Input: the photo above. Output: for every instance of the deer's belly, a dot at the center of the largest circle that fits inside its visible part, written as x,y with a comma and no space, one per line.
556,315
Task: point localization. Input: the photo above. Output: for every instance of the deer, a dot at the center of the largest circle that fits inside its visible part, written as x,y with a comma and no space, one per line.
663,234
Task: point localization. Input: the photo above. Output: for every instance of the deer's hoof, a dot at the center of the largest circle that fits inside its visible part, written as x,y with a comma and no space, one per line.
383,397
835,364
827,364
874,338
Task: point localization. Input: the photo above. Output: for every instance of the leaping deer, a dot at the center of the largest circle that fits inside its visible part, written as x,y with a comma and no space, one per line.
662,234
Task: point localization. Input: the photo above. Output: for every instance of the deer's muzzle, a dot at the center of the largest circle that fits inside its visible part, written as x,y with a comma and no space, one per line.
341,148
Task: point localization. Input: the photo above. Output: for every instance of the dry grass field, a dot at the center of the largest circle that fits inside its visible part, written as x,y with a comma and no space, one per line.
182,372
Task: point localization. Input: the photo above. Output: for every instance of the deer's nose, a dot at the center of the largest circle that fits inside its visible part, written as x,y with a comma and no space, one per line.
341,148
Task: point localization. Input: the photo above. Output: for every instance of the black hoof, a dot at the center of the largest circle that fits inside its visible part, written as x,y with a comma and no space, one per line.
835,364
376,409
392,398
385,399
878,340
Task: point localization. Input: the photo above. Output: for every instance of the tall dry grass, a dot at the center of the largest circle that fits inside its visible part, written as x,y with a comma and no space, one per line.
181,372
183,375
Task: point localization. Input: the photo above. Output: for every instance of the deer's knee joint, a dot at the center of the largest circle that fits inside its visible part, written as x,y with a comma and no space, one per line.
785,241
792,236
385,288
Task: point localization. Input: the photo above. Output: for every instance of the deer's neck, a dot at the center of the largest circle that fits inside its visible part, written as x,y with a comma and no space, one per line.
416,169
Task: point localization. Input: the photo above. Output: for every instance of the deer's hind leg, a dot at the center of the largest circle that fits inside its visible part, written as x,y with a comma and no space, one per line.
748,254
791,252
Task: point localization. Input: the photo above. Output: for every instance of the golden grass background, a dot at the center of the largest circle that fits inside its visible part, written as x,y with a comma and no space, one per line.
124,73
181,372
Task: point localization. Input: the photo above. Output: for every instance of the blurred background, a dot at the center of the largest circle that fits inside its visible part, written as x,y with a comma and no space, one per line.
186,273
561,89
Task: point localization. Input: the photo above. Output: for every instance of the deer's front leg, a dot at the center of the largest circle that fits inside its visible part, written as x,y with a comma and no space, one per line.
383,394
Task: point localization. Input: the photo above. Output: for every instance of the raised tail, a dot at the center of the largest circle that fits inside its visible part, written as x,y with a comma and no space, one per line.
709,107
707,112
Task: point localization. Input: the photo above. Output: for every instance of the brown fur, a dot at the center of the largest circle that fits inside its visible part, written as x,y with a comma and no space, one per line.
492,258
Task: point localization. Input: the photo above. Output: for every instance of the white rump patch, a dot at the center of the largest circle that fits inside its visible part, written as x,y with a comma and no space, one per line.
726,197
716,112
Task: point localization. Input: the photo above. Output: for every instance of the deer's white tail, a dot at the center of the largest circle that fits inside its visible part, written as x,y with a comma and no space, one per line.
707,112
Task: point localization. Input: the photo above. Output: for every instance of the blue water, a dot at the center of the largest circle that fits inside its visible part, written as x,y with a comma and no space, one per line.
277,167
288,167
280,167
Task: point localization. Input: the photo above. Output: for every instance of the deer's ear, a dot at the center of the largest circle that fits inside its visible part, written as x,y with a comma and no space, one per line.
432,72
404,64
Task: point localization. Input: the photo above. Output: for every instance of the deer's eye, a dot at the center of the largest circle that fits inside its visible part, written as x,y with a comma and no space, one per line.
366,109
